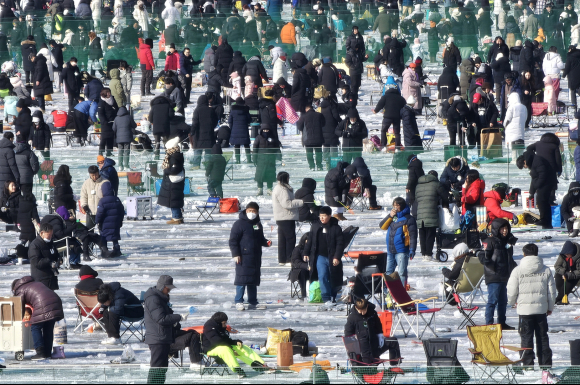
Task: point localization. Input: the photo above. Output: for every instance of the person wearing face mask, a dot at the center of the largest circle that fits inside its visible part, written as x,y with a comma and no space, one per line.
266,151
570,209
43,258
246,242
286,213
73,82
352,130
498,264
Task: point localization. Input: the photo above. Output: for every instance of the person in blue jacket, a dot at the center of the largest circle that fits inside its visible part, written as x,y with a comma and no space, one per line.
109,218
107,171
92,93
401,238
117,302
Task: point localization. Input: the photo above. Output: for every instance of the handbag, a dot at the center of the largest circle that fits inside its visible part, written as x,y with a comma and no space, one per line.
177,178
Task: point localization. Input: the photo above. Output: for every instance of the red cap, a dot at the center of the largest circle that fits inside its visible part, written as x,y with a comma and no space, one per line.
412,65
476,98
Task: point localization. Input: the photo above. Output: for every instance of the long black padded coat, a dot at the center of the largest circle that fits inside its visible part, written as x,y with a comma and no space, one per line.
246,241
171,194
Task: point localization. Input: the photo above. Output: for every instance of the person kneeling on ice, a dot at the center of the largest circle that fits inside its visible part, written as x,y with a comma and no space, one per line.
218,343
246,242
43,310
570,209
567,269
324,253
498,263
364,322
532,289
109,218
117,302
493,200
401,238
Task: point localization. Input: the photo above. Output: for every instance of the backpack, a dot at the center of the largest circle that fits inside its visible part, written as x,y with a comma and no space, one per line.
321,92
299,343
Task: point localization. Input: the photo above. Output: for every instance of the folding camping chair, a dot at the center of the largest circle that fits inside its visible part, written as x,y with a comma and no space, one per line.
348,236
88,307
399,162
443,366
369,373
133,326
539,115
367,279
46,169
135,185
430,110
487,355
410,310
229,172
469,281
356,195
208,208
299,225
428,136
467,312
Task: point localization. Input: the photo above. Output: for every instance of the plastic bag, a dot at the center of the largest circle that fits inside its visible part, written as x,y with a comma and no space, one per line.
556,218
315,295
189,155
276,336
447,221
127,356
60,336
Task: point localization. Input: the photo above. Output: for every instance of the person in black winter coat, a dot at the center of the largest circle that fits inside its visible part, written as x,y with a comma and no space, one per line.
255,69
410,128
266,152
41,135
56,50
498,263
28,48
23,123
369,188
516,56
215,170
124,128
548,147
237,64
239,121
392,102
116,302
447,79
336,186
223,136
352,130
246,242
309,211
544,179
451,55
43,258
159,117
178,128
498,46
329,109
500,66
328,76
301,90
570,201
42,83
27,163
109,218
354,60
107,112
454,173
324,254
63,192
202,135
311,124
89,282
171,194
299,271
458,121
415,167
363,321
527,57
486,115
72,80
9,202
223,57
268,114
571,72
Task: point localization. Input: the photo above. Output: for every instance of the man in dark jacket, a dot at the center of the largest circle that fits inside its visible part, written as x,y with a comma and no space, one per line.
72,81
498,264
186,64
329,109
215,170
454,174
571,71
108,172
88,280
567,270
567,213
8,167
415,167
364,322
352,130
324,252
43,258
202,135
392,102
41,134
355,56
309,211
117,302
27,163
42,83
246,242
527,58
448,83
368,187
328,76
28,48
429,194
336,186
310,125
451,54
301,90
255,69
58,57
161,325
223,57
159,116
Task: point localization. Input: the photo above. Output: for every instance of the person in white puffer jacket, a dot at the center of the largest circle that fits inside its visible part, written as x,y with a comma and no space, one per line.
280,69
575,36
50,60
552,65
140,14
96,13
533,289
515,123
170,14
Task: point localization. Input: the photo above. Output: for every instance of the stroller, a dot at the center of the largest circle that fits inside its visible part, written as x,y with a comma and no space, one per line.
467,233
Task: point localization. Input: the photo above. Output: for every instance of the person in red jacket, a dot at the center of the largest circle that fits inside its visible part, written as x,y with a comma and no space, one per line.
172,59
493,200
472,193
147,66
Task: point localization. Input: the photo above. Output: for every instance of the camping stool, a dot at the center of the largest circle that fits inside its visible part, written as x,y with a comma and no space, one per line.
295,289
133,327
208,208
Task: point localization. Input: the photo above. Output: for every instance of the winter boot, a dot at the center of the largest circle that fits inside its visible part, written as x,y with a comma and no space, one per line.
86,257
39,354
105,252
260,367
260,192
240,372
269,192
573,233
116,252
340,217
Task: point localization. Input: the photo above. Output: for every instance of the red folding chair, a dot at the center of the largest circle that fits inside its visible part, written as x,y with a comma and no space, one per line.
88,307
539,114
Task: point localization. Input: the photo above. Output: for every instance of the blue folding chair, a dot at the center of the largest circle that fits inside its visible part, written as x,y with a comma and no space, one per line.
428,136
207,210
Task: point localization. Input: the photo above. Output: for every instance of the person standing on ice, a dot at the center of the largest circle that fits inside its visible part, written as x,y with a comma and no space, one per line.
246,242
532,289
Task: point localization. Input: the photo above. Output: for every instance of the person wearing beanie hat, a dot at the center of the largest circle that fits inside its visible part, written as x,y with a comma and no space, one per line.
412,86
567,270
353,130
384,23
451,54
246,242
323,252
89,282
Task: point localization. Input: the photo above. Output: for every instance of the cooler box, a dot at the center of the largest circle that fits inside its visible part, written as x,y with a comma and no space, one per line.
186,187
15,335
139,207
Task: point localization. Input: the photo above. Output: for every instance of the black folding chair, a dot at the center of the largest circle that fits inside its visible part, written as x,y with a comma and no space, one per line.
443,367
467,312
133,326
207,210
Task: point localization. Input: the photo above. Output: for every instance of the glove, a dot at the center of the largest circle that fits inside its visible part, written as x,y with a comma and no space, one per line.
30,142
571,219
336,198
515,220
411,255
101,310
570,276
381,340
240,344
87,210
184,317
4,209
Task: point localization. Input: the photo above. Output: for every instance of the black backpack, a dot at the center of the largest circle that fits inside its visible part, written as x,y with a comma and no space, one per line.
299,343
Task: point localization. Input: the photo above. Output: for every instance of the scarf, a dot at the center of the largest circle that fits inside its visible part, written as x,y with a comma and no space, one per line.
83,277
110,100
168,154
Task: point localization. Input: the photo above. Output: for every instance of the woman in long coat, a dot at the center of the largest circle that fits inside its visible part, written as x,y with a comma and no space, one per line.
171,193
412,86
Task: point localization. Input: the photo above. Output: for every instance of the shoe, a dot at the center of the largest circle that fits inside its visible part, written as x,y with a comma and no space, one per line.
240,307
111,341
75,266
142,95
86,258
195,168
269,191
260,192
150,94
39,355
115,253
257,307
340,217
573,234
376,207
240,372
260,367
507,327
196,366
175,221
560,303
104,252
428,258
